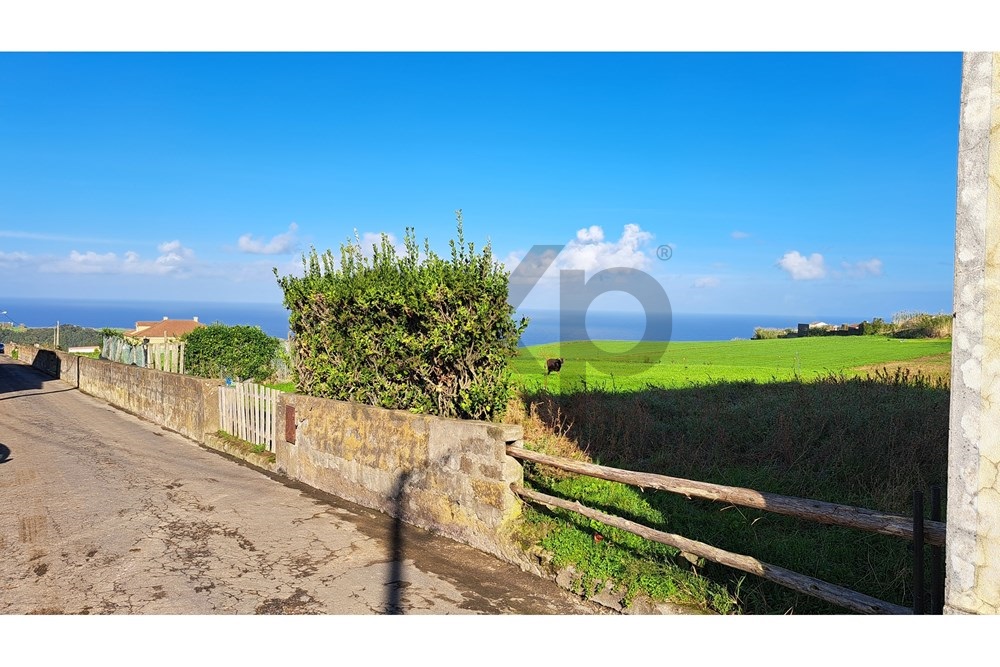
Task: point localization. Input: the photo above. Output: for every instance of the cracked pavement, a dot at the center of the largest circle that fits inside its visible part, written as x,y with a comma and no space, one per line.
103,513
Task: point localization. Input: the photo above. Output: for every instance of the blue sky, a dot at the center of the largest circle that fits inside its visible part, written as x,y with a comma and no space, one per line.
784,183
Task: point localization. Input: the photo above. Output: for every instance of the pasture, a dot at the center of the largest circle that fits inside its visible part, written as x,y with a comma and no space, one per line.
629,366
856,420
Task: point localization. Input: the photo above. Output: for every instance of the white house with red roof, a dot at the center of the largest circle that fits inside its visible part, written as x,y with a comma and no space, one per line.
163,331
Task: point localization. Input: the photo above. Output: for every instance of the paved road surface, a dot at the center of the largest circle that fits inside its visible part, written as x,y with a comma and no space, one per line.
103,513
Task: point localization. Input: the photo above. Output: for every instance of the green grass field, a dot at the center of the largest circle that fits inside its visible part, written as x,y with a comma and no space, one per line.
856,420
624,366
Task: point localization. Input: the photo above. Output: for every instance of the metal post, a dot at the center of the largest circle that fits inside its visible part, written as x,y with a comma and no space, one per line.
918,552
937,558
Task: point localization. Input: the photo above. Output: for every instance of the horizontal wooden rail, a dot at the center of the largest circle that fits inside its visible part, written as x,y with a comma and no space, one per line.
811,510
843,597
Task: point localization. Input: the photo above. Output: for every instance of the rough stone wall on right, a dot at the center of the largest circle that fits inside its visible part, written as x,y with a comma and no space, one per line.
973,517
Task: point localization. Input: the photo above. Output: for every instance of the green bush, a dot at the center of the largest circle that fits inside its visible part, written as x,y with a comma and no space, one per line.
240,352
877,327
765,333
424,334
921,325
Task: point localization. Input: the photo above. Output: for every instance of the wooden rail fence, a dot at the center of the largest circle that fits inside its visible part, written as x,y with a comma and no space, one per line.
811,510
248,411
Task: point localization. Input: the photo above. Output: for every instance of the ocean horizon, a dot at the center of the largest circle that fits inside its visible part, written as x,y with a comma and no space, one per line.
272,318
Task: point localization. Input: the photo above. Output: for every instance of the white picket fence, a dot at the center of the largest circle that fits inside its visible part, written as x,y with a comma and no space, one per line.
249,412
161,356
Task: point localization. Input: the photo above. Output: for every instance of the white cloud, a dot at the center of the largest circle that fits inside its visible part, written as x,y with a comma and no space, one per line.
174,259
868,267
278,245
535,274
590,252
706,282
91,262
592,234
800,267
740,235
173,255
11,258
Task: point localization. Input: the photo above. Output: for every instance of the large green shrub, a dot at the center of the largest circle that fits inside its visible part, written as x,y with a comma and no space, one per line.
240,352
765,333
877,327
424,334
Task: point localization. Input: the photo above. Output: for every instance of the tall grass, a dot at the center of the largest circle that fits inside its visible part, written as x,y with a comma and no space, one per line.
921,325
866,441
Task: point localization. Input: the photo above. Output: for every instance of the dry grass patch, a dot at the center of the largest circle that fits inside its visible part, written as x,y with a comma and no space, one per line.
935,367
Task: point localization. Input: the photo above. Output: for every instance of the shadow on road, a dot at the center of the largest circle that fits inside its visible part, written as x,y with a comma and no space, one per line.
56,391
4,453
394,583
16,376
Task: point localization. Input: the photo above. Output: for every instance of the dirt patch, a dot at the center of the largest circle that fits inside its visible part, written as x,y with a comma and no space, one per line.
935,367
298,603
46,611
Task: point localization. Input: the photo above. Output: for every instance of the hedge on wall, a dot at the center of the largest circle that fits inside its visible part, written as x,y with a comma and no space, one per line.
240,352
401,331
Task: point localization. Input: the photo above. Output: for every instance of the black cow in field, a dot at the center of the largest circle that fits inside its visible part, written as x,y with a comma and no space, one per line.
553,365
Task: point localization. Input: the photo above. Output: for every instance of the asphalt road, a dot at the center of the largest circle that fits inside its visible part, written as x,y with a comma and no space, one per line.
103,513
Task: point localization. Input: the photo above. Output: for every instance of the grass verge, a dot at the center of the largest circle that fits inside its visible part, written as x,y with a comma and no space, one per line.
865,438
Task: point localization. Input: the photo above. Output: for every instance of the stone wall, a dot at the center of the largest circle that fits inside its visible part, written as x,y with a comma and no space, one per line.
181,403
449,476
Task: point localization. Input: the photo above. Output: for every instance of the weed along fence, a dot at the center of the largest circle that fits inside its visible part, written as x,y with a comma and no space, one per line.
249,412
922,532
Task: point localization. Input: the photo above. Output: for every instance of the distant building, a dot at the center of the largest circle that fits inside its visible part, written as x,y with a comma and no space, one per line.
804,328
163,331
831,329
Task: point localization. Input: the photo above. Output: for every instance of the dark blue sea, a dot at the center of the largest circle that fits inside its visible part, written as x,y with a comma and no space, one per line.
547,327
544,326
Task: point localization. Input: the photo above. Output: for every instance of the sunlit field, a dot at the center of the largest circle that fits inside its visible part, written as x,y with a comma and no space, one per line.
628,366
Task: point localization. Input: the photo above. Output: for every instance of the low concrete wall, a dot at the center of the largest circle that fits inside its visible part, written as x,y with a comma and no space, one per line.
181,403
449,476
446,475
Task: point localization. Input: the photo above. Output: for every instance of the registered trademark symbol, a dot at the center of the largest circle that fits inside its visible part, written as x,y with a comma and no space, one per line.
664,252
